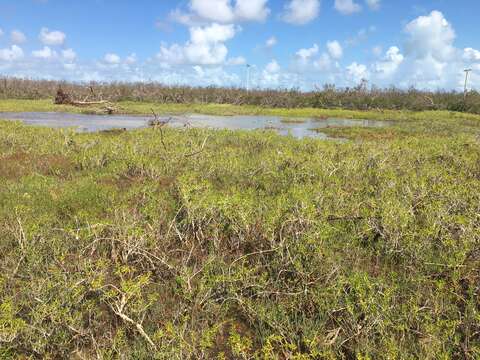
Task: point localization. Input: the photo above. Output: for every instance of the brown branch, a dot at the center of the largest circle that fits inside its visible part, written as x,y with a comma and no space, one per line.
118,310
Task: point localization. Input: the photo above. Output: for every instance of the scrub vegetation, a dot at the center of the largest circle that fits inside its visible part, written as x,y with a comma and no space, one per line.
360,97
198,244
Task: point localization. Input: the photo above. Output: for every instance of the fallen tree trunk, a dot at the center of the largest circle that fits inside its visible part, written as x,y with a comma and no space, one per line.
63,98
87,103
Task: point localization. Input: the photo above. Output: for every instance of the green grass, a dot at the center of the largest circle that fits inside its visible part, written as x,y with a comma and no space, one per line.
131,107
200,244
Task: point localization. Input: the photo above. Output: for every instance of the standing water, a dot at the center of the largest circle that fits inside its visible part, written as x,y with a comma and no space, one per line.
299,128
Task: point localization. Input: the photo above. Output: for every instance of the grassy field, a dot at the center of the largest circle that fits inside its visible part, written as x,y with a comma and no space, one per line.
200,244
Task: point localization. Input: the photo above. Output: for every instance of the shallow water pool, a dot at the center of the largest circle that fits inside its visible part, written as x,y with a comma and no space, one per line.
299,128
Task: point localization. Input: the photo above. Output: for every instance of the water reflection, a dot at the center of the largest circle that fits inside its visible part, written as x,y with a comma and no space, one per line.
298,128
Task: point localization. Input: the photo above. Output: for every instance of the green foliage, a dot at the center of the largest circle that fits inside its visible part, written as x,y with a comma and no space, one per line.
142,245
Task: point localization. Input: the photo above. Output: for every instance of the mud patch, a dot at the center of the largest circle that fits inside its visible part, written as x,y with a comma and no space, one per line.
125,182
19,164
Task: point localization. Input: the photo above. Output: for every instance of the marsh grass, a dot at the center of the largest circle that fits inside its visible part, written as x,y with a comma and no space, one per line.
201,244
293,120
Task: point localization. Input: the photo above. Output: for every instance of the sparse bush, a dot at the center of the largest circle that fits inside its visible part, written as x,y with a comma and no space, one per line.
328,97
201,244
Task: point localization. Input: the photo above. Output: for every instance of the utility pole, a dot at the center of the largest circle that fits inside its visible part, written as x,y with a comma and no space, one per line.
248,77
465,90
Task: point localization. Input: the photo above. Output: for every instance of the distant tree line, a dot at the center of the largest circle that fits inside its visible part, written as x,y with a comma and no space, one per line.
360,97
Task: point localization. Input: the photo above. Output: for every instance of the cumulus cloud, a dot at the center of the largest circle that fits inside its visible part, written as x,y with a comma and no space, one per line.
431,58
251,10
17,37
471,55
69,55
389,65
271,42
300,12
131,59
52,38
112,59
373,4
323,63
222,11
426,58
11,54
271,74
214,10
430,35
205,47
357,72
347,7
335,49
310,60
45,53
308,53
236,61
272,67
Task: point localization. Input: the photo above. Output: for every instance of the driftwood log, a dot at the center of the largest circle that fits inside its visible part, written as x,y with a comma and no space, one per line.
63,98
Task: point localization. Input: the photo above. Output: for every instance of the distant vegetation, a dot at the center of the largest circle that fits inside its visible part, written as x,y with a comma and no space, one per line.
201,244
328,97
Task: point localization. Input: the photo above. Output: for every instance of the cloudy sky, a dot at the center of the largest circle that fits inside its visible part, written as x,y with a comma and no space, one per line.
287,43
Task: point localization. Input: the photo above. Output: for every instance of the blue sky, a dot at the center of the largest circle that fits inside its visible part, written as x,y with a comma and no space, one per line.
288,43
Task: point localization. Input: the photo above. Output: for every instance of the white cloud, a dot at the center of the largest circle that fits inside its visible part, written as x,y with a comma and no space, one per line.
271,42
11,54
17,37
112,59
308,61
70,66
388,66
251,10
471,55
306,54
430,35
272,67
323,63
431,59
69,55
213,10
237,61
187,19
347,7
171,55
45,53
222,11
271,74
131,59
373,4
357,72
335,49
214,33
300,12
206,46
1,32
52,38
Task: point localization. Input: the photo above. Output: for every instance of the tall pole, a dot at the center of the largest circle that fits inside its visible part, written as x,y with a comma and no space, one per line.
467,71
248,77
